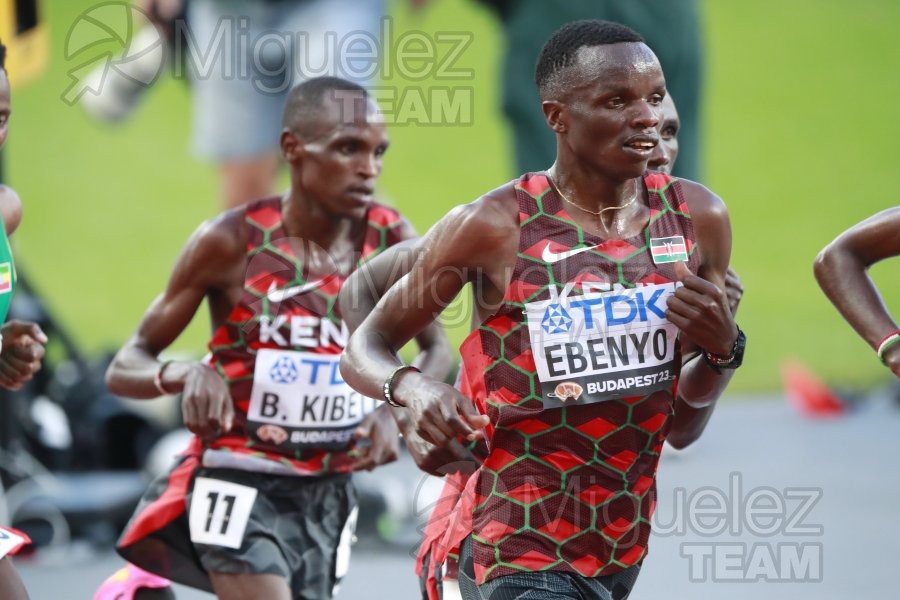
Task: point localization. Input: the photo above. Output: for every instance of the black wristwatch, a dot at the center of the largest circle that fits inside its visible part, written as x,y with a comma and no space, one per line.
734,359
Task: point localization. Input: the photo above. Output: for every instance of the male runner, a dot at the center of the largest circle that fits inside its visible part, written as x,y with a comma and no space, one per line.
840,269
261,504
572,372
436,563
22,342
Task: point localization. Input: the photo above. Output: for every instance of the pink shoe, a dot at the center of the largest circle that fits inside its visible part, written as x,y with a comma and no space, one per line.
124,583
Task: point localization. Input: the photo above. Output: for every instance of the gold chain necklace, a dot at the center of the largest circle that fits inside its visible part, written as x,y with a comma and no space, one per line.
594,212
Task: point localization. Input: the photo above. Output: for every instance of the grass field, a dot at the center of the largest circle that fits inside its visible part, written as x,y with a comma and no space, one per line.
800,120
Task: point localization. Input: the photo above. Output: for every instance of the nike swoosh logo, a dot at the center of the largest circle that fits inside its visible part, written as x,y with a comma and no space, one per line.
276,295
552,257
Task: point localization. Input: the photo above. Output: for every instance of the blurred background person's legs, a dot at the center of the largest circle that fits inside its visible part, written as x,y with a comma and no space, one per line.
238,98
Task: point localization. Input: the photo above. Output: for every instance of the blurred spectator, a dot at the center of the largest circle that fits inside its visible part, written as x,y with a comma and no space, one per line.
242,57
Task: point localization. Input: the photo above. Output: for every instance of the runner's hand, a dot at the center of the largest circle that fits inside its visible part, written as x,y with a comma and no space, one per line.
23,349
206,405
700,309
435,460
437,411
377,440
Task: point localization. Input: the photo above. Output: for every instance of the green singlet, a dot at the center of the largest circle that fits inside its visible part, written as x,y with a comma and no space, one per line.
7,273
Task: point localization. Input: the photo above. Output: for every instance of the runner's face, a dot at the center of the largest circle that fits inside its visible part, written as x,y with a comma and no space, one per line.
343,159
665,153
4,107
612,110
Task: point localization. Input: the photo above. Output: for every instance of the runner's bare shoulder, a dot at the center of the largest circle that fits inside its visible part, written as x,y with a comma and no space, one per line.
217,247
476,231
712,227
10,208
703,202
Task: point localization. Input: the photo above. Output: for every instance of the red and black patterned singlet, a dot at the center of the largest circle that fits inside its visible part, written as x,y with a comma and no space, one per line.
279,349
577,370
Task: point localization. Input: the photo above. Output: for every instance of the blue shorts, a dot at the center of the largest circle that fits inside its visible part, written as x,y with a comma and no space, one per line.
243,57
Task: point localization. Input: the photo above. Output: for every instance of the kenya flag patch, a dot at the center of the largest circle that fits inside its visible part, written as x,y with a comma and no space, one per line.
668,250
6,276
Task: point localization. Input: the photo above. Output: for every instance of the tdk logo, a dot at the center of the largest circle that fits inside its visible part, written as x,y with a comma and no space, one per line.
640,304
556,319
284,371
600,309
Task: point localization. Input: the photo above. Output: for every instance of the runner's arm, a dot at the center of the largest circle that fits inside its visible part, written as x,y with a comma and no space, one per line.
701,307
11,585
208,254
365,286
359,297
689,422
452,252
23,341
841,270
10,209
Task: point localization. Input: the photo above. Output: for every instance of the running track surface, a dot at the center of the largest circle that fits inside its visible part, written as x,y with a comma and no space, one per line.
838,535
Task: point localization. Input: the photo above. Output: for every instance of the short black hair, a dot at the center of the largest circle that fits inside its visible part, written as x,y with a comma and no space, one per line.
560,50
2,56
305,100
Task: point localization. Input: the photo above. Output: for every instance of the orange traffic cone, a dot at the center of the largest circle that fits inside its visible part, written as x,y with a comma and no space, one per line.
809,394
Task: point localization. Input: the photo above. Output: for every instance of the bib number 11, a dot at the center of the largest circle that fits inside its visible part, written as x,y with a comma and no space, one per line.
219,512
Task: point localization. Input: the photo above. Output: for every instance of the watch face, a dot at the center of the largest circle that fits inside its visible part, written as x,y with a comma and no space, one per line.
739,345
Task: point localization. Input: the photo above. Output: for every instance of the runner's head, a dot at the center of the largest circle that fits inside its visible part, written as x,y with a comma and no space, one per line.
665,153
334,140
601,89
4,96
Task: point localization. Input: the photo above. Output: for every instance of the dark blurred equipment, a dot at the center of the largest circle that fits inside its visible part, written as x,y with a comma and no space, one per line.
71,453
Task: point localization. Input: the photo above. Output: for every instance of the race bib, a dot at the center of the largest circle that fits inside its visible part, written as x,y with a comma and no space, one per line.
602,345
11,540
348,538
299,400
220,511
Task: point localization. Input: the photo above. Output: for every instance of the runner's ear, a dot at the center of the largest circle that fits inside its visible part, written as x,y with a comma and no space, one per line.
291,146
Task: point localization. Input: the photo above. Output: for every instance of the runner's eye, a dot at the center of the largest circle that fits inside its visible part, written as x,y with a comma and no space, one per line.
348,148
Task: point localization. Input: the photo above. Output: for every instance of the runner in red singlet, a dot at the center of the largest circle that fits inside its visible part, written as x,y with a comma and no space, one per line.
261,504
436,562
585,336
